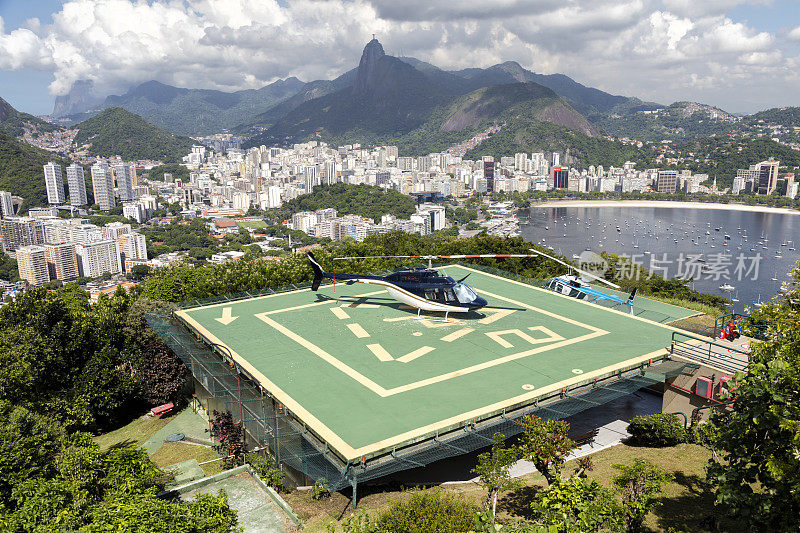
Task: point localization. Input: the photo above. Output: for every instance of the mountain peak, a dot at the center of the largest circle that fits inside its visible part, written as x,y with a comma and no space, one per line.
368,66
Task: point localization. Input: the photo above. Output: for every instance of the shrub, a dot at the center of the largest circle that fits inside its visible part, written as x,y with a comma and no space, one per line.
662,429
320,489
266,468
420,512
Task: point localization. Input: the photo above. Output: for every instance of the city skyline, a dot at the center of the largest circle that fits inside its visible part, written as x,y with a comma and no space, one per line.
736,54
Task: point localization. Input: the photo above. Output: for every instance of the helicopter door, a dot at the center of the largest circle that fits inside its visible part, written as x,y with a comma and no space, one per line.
430,294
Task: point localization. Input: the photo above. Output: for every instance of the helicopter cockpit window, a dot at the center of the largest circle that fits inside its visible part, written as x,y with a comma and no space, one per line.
449,295
464,293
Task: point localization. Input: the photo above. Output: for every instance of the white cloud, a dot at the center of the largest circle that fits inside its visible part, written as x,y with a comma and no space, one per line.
654,49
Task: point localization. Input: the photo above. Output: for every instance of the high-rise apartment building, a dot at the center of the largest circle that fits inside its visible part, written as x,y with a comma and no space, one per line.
21,231
6,204
115,230
77,185
667,181
62,263
488,172
97,258
32,265
767,176
103,186
560,177
133,246
124,182
54,183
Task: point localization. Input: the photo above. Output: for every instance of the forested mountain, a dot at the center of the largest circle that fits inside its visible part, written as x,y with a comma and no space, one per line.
116,131
21,171
12,121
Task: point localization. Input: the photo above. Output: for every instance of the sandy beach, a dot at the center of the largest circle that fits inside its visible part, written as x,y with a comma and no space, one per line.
667,205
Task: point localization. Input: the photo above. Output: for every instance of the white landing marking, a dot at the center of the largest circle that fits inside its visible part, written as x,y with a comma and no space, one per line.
227,317
340,313
456,334
358,331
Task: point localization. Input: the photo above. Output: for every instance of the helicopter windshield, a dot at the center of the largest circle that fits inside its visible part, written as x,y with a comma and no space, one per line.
464,293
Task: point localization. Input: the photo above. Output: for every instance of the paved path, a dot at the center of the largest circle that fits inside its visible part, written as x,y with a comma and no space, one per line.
256,510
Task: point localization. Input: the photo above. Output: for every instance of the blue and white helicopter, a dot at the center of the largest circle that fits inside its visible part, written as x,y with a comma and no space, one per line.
580,287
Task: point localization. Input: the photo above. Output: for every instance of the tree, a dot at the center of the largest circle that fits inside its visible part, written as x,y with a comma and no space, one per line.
545,444
162,374
139,272
577,505
29,443
493,469
758,467
640,485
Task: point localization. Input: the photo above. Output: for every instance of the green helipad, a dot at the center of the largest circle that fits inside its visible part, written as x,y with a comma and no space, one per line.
362,372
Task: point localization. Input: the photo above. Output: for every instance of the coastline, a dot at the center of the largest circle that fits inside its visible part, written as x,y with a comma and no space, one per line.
666,204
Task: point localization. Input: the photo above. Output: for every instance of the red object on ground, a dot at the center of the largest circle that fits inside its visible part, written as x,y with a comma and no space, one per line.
161,409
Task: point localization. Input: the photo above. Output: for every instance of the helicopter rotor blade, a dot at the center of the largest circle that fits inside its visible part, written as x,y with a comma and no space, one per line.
584,272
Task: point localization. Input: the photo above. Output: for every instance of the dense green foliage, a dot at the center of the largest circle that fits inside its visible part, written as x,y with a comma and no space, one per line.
363,200
660,429
116,131
179,235
69,484
8,268
577,505
178,171
419,512
756,469
21,171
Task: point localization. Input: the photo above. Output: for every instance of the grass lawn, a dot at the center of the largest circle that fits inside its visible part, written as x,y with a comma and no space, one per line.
175,452
696,323
686,502
135,433
251,223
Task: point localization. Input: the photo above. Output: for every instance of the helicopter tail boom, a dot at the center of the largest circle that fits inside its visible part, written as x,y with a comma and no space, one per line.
319,274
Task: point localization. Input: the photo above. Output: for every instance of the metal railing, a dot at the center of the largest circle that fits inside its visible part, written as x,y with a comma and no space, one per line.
712,353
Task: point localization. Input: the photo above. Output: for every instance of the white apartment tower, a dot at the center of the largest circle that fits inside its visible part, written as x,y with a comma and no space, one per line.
124,182
6,204
103,186
54,182
77,185
97,258
133,246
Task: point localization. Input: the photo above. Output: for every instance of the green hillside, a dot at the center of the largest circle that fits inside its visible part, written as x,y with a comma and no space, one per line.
528,134
12,121
116,131
21,171
721,158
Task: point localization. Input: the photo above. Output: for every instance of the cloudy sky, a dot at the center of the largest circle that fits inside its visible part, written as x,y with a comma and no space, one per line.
741,55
